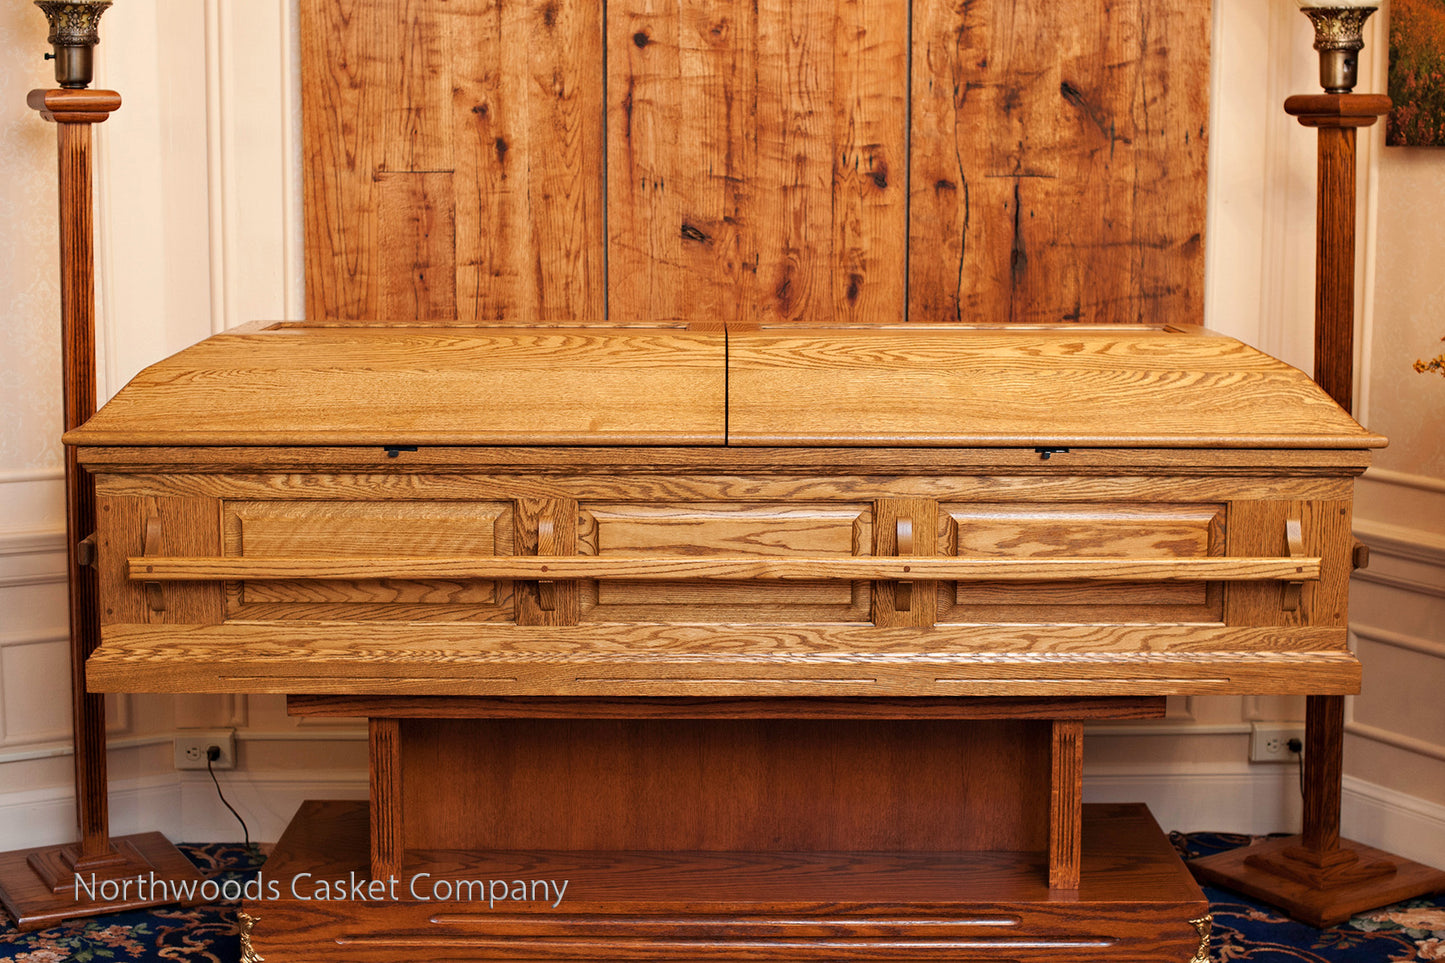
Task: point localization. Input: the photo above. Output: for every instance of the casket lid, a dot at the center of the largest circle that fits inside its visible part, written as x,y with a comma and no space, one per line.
300,384
921,386
1120,386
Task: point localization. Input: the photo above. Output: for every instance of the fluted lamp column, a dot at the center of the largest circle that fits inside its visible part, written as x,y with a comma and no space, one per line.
39,886
1317,876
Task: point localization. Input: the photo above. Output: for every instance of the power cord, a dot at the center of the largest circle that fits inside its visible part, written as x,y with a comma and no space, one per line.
212,754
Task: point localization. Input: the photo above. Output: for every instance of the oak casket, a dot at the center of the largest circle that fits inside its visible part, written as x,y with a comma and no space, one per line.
917,511
777,643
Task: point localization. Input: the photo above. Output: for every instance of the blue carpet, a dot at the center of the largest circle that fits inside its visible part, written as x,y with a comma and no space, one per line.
1243,929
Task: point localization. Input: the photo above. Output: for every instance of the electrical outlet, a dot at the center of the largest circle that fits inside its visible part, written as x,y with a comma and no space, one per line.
1269,741
191,746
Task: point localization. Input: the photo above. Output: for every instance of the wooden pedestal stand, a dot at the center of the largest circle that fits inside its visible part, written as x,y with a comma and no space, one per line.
1317,877
38,886
725,829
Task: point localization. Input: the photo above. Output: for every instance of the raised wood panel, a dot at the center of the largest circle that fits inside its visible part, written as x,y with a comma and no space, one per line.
1102,531
733,529
1058,161
359,529
451,152
998,530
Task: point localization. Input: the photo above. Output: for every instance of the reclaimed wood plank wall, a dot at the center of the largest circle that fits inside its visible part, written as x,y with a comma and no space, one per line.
811,161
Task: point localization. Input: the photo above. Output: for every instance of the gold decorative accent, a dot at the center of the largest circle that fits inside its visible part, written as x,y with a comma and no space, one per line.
248,952
1203,925
1339,28
1339,38
74,32
73,23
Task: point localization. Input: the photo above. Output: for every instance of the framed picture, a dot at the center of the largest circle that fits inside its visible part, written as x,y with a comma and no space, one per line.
1417,74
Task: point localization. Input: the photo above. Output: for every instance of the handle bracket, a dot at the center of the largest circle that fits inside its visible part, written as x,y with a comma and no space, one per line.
150,548
903,589
1294,536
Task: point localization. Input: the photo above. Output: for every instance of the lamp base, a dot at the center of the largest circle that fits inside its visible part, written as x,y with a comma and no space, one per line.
38,888
1319,889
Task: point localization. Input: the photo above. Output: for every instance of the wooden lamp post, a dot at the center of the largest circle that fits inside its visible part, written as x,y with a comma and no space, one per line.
38,886
1318,877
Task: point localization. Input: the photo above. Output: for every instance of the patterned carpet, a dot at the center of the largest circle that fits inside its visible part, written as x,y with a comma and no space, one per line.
1243,929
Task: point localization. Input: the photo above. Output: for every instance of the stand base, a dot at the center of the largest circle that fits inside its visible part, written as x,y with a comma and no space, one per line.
38,888
1319,891
1135,902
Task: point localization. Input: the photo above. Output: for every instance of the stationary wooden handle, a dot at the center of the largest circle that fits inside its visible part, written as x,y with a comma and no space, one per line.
155,598
1294,588
731,568
546,545
903,591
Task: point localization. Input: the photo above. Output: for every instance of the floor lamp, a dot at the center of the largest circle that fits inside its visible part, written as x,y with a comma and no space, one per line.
39,886
1317,877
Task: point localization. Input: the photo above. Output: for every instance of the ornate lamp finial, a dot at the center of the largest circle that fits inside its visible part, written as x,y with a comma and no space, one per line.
74,32
1339,25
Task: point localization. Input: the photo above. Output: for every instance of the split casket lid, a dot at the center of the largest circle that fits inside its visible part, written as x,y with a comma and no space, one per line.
300,384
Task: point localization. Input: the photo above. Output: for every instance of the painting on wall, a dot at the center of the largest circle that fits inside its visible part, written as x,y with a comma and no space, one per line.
1417,74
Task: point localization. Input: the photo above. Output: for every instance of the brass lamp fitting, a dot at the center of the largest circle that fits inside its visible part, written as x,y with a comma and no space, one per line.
1338,28
74,32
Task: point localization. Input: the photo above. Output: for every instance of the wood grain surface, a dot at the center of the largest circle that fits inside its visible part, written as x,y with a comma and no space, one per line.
1334,367
582,461
427,386
756,160
1062,485
739,785
388,817
319,529
538,159
480,707
1058,161
933,387
452,159
1134,902
1066,799
725,568
680,659
1093,388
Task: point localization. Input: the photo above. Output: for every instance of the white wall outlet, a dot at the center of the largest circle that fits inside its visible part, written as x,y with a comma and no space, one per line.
192,744
1270,741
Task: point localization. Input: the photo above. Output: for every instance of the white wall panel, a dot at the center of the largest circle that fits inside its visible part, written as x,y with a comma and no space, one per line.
36,680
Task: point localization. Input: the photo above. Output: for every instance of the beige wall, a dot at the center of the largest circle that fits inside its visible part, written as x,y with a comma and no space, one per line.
198,230
1396,727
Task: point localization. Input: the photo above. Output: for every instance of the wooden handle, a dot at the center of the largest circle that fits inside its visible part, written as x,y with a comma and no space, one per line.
731,568
546,545
155,598
903,591
1294,588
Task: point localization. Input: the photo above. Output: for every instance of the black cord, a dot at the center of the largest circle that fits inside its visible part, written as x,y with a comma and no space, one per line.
211,753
